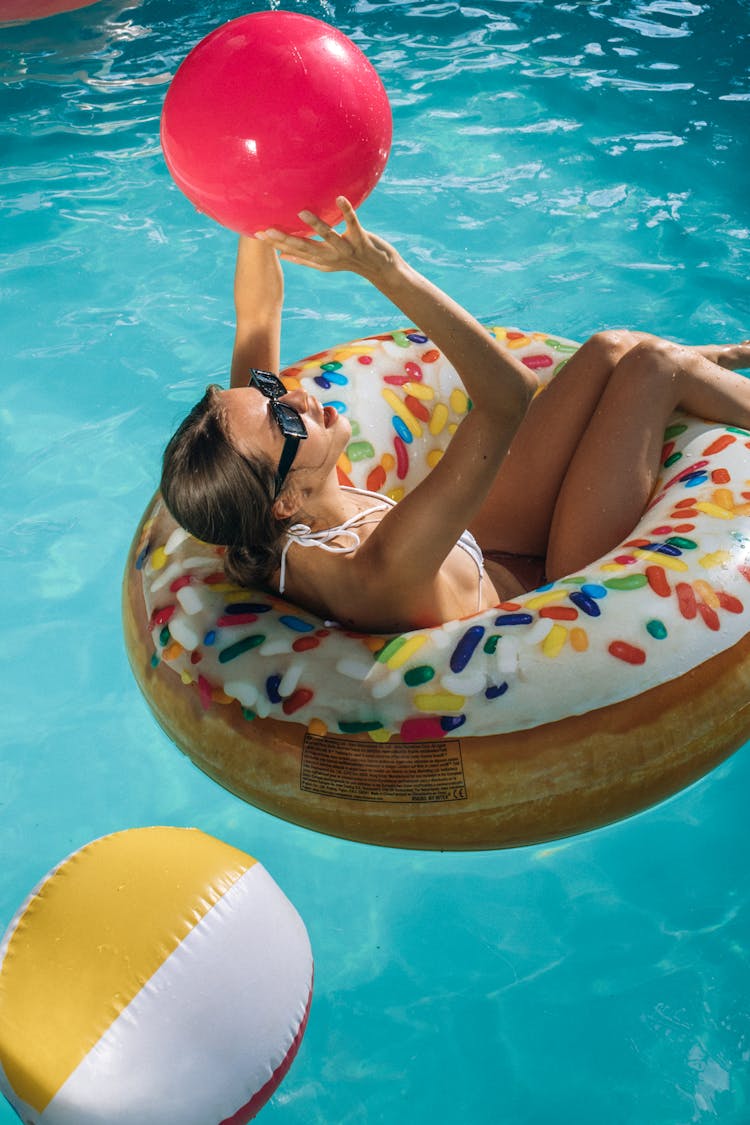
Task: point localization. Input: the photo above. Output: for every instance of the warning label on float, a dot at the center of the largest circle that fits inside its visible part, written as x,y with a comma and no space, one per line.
396,772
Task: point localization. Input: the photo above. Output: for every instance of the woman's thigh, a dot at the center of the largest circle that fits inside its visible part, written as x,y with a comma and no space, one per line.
517,514
615,467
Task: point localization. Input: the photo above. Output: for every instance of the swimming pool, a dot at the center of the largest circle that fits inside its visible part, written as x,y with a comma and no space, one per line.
556,165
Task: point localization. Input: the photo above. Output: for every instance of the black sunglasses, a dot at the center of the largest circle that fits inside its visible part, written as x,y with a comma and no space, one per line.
286,417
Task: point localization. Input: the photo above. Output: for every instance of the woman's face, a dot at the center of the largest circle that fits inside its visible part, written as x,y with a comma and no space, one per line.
253,429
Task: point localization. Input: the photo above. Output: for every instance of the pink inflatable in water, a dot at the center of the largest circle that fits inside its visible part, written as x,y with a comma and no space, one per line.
37,9
273,113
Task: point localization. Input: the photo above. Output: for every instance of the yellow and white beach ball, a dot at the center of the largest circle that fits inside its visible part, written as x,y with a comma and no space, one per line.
156,975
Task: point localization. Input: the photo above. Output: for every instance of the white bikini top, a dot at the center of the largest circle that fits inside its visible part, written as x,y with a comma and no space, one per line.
303,536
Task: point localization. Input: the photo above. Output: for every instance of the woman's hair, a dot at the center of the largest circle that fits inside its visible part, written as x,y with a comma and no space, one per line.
220,495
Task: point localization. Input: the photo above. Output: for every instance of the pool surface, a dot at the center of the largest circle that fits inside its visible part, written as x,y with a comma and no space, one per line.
567,166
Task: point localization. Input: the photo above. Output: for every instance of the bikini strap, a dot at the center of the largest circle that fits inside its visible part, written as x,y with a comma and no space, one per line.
302,535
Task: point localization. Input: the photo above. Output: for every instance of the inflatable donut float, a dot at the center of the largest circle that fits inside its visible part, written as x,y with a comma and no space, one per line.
572,706
155,975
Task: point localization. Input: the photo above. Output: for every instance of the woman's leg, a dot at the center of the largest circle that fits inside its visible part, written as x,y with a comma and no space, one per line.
614,469
517,514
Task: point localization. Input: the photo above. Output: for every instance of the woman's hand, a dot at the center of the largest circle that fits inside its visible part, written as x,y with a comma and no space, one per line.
356,250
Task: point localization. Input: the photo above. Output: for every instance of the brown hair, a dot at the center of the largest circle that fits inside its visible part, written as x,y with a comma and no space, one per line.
220,495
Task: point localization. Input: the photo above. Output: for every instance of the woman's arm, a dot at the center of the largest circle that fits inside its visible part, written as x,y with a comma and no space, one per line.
493,378
434,514
258,300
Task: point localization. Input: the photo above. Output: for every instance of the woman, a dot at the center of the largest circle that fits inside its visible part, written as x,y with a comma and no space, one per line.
545,485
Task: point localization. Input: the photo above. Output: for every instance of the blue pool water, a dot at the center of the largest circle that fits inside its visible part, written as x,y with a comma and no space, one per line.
560,165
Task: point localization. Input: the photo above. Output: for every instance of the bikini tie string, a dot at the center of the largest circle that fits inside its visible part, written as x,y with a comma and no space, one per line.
303,535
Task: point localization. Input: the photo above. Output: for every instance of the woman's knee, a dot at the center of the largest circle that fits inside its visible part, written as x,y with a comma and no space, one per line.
610,345
651,360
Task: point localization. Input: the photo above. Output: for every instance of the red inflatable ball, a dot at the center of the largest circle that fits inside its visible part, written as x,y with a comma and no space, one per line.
271,114
24,10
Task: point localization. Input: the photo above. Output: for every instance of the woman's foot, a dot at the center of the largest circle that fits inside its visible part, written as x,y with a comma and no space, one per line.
733,357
